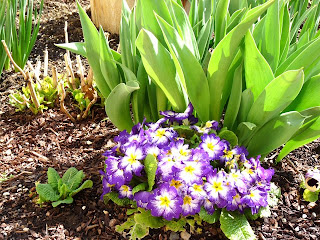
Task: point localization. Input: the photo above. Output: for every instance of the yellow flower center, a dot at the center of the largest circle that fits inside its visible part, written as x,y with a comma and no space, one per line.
234,175
132,159
251,194
175,183
125,188
210,146
250,171
217,186
183,153
197,188
189,169
164,201
228,154
187,200
236,196
208,124
160,133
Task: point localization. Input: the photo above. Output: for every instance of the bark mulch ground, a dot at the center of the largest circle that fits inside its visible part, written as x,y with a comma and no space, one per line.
30,144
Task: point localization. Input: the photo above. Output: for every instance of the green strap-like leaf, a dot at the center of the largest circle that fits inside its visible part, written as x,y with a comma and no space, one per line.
275,133
189,69
235,226
257,70
308,135
245,105
160,67
117,105
223,55
308,97
91,38
220,28
270,47
75,47
235,99
277,95
150,167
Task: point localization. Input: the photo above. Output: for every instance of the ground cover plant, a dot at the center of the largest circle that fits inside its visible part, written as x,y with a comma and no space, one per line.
32,144
61,190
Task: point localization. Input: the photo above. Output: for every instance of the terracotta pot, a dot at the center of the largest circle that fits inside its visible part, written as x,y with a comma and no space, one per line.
107,13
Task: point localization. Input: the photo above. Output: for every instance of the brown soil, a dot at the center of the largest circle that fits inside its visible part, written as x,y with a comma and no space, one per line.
30,144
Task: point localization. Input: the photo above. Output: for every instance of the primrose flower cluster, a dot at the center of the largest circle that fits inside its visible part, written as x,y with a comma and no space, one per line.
197,171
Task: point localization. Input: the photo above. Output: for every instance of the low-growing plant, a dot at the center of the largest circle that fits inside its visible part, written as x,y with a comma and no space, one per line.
176,172
311,184
61,190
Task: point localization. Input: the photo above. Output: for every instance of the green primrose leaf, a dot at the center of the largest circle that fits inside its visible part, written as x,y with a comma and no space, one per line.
69,174
86,184
113,196
64,191
117,105
209,218
53,178
131,211
140,187
176,226
126,225
230,136
138,231
235,226
68,200
310,196
150,167
223,56
46,192
146,219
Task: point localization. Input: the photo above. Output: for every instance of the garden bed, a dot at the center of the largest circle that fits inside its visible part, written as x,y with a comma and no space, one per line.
30,144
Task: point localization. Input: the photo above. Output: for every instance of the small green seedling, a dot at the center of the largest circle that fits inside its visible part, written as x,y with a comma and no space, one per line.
61,190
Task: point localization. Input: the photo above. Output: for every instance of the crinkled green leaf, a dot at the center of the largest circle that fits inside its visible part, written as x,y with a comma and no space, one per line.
68,200
113,196
209,218
146,219
235,226
150,167
310,196
86,184
69,175
138,231
53,178
126,225
131,211
140,187
46,192
176,225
